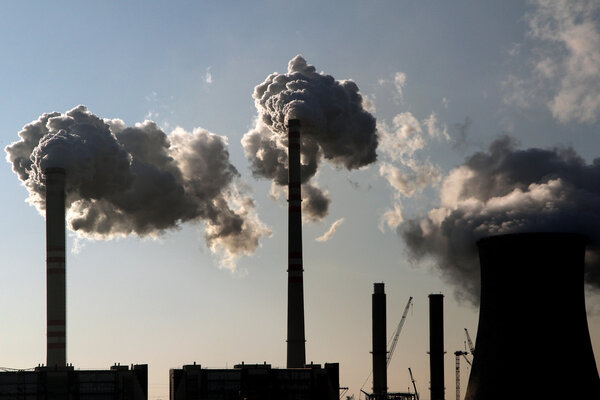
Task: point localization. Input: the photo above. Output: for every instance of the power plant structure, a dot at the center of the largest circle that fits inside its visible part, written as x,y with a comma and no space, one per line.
296,341
436,346
298,381
532,299
58,380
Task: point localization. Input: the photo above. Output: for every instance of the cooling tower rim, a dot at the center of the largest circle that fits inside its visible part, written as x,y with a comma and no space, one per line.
54,170
569,236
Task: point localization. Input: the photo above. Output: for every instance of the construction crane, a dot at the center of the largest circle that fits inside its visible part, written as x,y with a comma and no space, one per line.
471,347
398,330
457,355
413,382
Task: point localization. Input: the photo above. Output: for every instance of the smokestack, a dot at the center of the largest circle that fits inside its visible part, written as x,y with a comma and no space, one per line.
436,345
533,305
379,342
56,341
296,343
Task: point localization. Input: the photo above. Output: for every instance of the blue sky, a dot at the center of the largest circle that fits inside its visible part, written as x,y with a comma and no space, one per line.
506,68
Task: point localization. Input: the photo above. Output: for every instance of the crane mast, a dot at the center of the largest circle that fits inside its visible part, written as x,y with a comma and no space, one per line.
398,330
457,355
413,382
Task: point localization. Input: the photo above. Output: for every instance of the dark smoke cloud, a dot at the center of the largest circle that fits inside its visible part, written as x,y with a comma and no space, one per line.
138,180
507,190
335,126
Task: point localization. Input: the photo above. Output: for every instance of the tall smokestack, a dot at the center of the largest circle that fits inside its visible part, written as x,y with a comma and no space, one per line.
533,304
296,343
436,345
379,342
56,341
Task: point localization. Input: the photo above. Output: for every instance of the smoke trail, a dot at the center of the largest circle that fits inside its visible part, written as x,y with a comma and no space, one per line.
335,125
332,230
138,180
507,190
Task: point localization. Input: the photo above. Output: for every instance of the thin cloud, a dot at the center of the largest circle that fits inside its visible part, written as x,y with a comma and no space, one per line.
208,76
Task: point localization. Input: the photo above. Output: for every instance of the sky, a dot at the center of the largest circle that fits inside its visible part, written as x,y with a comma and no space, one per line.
448,84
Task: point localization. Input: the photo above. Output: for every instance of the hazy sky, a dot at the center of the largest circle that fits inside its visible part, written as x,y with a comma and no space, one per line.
444,80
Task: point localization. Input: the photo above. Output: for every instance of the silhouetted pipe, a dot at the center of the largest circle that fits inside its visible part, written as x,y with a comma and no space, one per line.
296,343
436,345
56,311
532,337
379,342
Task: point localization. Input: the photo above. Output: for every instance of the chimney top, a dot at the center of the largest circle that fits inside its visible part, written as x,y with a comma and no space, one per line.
379,287
293,122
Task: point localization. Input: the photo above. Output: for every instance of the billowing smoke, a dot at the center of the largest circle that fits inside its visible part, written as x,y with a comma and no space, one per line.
138,180
335,127
507,190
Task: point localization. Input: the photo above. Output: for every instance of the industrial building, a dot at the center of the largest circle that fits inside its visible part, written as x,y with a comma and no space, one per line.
255,381
65,383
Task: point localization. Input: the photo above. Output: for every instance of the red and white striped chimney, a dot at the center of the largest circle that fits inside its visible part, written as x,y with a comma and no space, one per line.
296,342
56,309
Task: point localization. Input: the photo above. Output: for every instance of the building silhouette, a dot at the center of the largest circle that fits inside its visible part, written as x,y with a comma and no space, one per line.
254,382
120,382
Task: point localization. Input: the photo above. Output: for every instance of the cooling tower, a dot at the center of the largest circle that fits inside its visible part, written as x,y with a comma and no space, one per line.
296,343
379,342
533,340
436,345
56,342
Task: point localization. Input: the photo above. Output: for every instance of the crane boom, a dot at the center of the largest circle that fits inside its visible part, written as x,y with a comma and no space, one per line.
471,347
398,330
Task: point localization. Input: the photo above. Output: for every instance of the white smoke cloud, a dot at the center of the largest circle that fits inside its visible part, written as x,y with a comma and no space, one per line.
507,190
332,230
565,59
336,127
404,167
138,180
570,56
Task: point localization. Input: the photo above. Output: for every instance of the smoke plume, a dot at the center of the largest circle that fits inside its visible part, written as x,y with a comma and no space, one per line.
507,190
335,126
138,180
